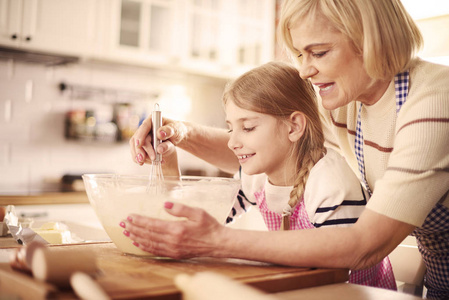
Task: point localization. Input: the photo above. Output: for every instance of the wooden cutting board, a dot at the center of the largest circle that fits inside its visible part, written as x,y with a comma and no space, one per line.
130,277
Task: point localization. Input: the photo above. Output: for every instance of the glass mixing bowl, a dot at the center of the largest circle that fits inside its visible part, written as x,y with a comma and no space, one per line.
114,197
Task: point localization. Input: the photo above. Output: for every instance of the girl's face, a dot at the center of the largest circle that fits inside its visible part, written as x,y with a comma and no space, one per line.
330,61
261,144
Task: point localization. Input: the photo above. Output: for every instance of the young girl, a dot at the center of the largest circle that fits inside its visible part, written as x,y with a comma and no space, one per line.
275,132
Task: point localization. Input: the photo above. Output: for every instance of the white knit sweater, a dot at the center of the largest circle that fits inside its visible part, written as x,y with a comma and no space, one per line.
406,154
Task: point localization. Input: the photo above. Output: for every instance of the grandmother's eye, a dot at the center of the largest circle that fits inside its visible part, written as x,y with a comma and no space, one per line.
319,54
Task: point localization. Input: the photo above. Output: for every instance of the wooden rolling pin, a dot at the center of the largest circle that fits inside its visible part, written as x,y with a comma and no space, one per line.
52,267
56,267
23,286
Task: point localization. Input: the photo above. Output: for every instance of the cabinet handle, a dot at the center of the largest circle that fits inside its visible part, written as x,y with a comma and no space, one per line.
28,38
14,36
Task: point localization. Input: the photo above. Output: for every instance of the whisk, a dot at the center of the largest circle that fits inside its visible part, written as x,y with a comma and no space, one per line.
156,179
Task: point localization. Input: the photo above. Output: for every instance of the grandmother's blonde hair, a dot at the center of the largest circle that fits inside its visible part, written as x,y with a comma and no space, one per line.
276,89
381,30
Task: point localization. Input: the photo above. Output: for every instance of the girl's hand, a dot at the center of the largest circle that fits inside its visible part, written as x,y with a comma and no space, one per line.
171,133
197,235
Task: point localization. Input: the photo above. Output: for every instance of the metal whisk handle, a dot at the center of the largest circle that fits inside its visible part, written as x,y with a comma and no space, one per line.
156,118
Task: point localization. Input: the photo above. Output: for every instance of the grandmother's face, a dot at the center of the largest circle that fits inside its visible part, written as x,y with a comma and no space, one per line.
330,61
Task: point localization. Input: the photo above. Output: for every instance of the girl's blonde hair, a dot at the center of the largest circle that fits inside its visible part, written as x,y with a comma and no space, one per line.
276,89
381,30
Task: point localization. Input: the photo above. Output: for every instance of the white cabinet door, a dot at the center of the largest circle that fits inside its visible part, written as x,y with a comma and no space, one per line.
65,26
203,36
59,26
254,21
10,22
144,31
228,37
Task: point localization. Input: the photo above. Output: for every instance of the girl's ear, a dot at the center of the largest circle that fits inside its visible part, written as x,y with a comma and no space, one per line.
297,126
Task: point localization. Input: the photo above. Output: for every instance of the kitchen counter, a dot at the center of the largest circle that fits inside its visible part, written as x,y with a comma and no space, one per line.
46,198
79,215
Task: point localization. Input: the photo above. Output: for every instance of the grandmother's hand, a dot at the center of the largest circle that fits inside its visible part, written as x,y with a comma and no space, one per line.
197,235
171,133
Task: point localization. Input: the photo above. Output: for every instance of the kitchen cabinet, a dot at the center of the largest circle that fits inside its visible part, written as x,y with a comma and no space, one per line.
229,36
221,38
55,26
256,40
213,37
143,32
204,35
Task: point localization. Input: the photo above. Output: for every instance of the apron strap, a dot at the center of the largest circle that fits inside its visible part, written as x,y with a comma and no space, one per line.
401,82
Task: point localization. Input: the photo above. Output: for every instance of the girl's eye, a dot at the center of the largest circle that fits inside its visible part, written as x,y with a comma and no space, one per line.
230,130
248,129
318,54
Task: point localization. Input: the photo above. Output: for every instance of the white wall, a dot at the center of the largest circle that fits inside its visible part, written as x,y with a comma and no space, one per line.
435,31
432,17
33,151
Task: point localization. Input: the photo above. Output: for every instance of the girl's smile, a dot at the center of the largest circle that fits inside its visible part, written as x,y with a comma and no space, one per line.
243,158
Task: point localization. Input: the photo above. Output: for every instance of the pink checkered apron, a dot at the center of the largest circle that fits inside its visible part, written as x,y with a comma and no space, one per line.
380,275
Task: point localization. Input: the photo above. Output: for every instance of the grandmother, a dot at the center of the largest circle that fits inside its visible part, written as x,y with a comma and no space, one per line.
385,110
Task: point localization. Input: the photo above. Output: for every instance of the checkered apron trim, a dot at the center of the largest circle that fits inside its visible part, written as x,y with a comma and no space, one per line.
433,244
401,81
381,275
358,147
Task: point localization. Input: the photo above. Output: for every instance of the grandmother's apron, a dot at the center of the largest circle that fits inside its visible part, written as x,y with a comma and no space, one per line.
433,236
380,275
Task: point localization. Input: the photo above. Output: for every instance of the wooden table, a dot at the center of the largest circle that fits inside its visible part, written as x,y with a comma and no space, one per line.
129,277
